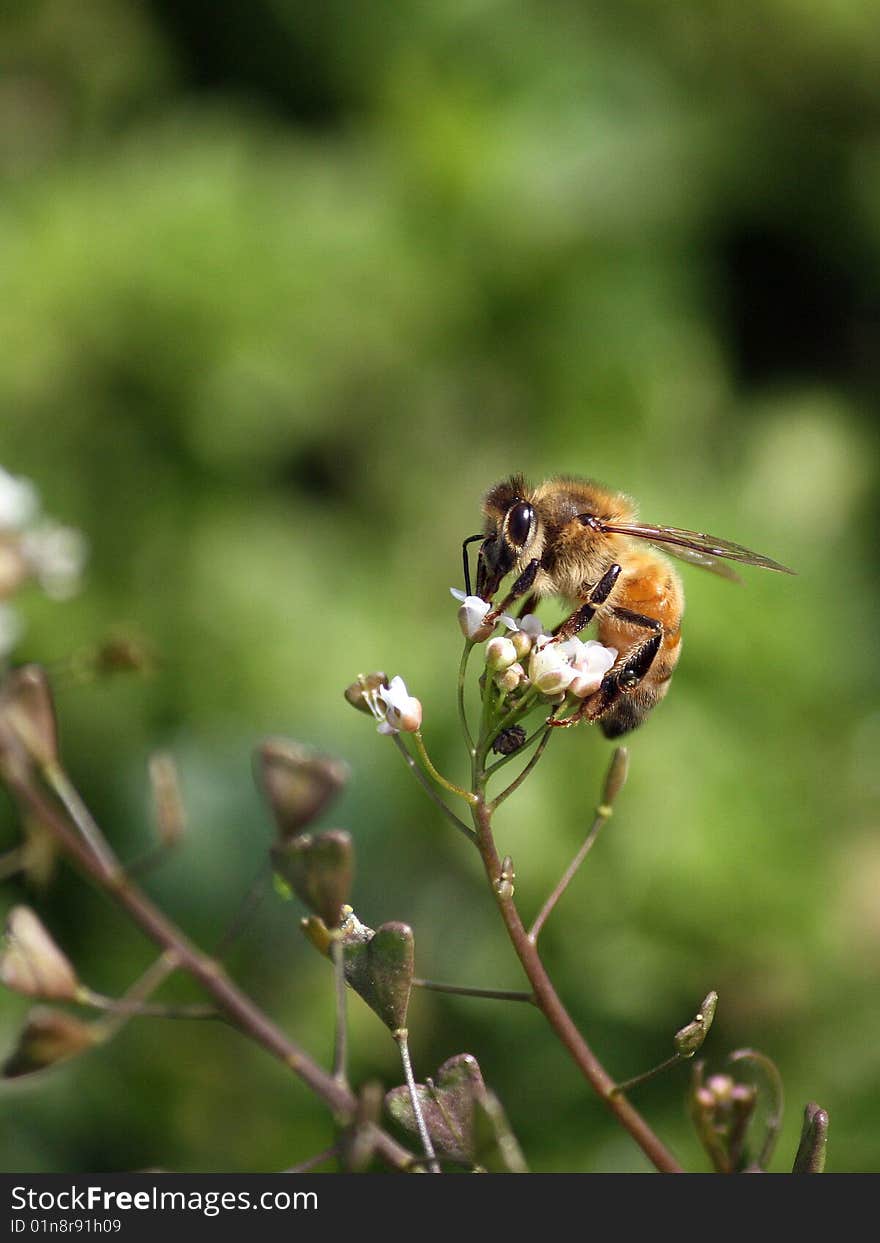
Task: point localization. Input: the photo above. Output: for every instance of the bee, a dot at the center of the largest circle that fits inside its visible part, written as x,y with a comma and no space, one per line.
577,540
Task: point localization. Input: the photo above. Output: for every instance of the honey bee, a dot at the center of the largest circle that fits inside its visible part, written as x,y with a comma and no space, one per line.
575,539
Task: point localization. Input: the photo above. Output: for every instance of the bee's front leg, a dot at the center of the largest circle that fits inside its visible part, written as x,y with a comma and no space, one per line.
582,616
521,586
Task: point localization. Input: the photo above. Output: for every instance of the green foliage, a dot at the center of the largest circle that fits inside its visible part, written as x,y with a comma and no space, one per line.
271,325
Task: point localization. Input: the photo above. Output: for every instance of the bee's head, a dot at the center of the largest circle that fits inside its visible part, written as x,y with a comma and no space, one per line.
511,531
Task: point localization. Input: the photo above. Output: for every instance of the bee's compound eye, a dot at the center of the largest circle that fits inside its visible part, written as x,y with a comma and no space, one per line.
519,523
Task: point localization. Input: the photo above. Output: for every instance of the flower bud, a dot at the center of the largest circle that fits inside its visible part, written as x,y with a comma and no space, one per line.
471,616
298,782
49,1036
522,643
27,705
810,1157
500,654
31,963
167,802
689,1039
511,678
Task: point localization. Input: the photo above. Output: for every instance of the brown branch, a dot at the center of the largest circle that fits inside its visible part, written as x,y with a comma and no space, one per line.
105,870
548,1002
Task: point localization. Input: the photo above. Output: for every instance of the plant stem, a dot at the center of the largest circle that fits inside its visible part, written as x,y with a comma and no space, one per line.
402,1038
462,712
463,990
103,868
426,785
438,776
341,1036
602,815
517,782
145,1009
550,1005
646,1075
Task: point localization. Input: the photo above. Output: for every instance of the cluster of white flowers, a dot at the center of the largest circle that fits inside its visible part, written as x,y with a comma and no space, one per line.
554,668
32,547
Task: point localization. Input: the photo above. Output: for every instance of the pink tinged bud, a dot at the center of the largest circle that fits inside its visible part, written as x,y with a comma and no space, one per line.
500,654
549,669
31,963
511,678
522,643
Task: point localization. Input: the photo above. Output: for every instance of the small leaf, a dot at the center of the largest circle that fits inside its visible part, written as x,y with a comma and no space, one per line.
447,1105
298,783
319,868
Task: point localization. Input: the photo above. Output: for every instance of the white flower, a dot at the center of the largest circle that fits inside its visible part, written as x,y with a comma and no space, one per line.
471,614
591,662
402,710
530,625
10,629
550,669
56,555
19,502
570,666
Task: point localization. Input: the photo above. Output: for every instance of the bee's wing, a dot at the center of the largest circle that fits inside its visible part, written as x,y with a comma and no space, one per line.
709,551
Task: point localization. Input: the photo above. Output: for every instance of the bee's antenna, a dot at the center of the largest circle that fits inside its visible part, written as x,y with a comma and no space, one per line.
464,556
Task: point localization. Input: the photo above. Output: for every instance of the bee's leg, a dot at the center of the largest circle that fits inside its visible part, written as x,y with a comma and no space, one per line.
528,605
623,677
582,616
521,585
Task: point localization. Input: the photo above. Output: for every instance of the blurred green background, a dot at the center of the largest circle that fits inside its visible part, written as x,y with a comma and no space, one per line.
286,287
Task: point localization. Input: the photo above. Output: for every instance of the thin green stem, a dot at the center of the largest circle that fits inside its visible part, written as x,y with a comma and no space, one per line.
431,792
402,1038
463,990
60,783
145,1009
602,815
438,776
773,1080
636,1080
340,1045
462,711
157,973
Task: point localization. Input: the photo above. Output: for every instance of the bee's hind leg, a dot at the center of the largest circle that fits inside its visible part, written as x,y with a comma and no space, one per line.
622,678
